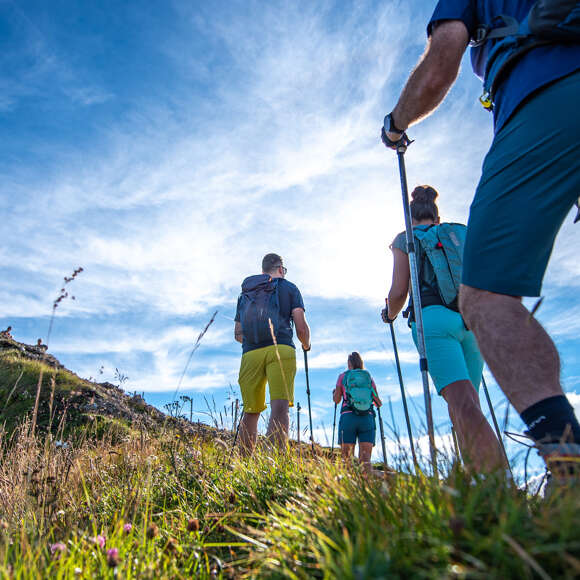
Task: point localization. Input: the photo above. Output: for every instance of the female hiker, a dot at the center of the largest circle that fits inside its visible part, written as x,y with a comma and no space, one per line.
358,392
455,363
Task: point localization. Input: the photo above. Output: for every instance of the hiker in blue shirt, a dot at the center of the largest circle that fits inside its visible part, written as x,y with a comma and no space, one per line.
530,181
455,363
358,393
268,307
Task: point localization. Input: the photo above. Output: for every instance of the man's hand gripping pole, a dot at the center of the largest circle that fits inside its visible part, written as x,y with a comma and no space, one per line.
396,140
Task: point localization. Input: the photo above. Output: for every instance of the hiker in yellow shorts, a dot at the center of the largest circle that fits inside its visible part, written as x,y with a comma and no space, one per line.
267,307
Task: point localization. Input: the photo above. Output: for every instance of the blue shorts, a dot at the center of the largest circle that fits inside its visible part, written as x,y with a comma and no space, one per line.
529,183
352,426
452,351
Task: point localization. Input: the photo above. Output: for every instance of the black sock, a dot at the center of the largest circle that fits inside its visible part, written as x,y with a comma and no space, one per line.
550,419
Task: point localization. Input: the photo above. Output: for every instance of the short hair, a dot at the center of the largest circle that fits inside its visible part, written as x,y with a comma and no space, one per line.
270,262
355,360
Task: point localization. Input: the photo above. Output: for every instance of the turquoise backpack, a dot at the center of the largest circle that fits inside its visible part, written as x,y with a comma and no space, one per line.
443,246
359,391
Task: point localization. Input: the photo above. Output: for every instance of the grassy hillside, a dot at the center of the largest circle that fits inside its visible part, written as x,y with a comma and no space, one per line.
158,501
67,402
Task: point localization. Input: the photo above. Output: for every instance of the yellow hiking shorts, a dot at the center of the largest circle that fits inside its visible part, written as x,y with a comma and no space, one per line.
263,365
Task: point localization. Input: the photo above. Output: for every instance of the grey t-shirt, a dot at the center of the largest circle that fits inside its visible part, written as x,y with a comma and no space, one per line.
427,280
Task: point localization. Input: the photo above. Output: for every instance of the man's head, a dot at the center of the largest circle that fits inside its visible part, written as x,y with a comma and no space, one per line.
273,265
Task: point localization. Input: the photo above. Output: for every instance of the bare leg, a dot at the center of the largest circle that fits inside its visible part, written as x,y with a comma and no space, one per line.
519,352
347,451
279,423
249,432
479,446
365,451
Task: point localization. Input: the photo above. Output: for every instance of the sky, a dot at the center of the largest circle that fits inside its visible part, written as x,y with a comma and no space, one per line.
165,147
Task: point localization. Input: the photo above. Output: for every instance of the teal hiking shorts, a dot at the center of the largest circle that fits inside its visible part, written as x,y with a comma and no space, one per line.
352,427
452,351
529,183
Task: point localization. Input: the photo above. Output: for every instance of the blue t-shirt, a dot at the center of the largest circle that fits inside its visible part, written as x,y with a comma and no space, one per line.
289,297
537,68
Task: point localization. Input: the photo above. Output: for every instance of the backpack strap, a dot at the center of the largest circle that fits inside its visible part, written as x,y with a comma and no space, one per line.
484,32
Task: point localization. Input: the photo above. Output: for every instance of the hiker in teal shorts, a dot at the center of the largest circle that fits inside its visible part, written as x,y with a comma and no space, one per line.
358,393
455,363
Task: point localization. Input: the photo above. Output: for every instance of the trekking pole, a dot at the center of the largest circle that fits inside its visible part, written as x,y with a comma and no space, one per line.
298,428
402,147
383,441
455,444
403,396
333,429
495,423
308,395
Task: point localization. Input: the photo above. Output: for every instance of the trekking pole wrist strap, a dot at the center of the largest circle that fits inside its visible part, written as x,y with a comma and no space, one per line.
389,127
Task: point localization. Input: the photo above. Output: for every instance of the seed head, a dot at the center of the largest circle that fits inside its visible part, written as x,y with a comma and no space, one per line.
456,524
171,547
152,531
193,525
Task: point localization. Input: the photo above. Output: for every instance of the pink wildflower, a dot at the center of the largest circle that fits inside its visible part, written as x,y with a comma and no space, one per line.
99,541
57,549
127,528
113,557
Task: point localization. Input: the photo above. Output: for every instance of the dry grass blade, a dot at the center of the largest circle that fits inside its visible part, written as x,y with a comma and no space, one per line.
195,347
526,557
62,295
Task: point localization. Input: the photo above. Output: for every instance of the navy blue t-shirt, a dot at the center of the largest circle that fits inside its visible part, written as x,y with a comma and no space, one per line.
289,297
539,67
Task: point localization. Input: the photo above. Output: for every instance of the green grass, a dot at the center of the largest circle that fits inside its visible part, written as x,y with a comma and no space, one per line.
197,510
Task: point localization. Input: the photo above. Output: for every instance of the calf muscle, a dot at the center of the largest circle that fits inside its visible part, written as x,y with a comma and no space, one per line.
518,351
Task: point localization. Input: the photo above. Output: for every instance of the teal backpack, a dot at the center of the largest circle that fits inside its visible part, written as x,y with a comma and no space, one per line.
443,246
359,391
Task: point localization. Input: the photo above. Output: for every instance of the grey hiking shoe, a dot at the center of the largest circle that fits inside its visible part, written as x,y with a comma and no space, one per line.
563,463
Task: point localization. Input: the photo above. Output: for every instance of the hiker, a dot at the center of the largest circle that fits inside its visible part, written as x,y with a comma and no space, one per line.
454,361
6,333
267,307
530,181
358,393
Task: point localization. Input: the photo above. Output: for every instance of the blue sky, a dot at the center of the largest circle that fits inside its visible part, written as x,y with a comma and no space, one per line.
165,147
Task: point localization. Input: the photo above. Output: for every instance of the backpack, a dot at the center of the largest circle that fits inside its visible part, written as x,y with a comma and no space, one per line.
442,245
258,306
547,22
358,388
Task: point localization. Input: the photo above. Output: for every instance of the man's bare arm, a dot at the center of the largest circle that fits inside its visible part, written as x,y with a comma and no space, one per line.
302,328
433,76
238,334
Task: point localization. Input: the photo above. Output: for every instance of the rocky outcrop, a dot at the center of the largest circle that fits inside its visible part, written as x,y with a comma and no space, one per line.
73,400
33,352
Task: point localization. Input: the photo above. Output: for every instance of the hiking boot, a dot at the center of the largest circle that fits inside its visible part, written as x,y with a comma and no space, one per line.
563,463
